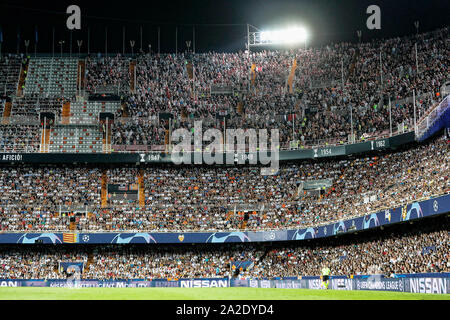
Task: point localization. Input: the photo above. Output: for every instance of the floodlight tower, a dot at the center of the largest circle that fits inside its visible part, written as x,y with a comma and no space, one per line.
251,31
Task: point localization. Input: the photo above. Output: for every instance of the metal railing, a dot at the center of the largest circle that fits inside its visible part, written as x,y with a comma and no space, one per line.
423,124
284,146
72,120
431,116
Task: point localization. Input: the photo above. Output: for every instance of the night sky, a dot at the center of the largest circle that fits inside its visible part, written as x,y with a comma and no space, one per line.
220,25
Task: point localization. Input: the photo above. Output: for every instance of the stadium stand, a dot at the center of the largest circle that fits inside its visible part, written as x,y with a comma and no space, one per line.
76,139
31,105
9,74
19,138
137,131
214,198
52,77
422,247
315,105
88,111
322,109
314,97
108,72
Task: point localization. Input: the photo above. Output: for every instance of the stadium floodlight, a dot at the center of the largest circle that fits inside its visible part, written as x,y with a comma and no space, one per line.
292,35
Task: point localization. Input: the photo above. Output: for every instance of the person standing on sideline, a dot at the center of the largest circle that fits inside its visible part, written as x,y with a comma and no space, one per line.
325,277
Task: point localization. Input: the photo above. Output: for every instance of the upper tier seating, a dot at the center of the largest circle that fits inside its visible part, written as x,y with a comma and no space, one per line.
19,138
75,139
108,73
9,74
32,105
52,77
87,111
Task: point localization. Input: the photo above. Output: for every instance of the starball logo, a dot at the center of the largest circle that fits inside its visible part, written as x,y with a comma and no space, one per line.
231,149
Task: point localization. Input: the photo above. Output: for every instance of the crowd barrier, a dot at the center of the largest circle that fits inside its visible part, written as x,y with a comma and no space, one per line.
417,283
390,143
437,283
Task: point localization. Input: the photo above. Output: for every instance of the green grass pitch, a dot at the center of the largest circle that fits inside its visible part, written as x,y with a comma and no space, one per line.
27,293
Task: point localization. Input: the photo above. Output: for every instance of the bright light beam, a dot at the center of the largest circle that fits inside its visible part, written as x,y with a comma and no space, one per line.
292,35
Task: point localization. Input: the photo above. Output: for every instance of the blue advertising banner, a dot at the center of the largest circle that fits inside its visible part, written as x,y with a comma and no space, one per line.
438,283
418,283
416,210
183,283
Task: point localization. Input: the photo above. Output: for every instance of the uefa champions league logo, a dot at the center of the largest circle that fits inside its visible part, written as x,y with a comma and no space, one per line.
227,237
269,236
122,238
50,237
435,206
301,234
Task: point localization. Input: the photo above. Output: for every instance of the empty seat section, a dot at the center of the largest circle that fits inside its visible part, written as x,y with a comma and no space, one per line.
73,139
86,112
52,77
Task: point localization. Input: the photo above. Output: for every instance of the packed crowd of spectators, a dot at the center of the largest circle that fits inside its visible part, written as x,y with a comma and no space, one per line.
418,248
328,82
32,105
402,249
203,198
215,197
9,73
163,263
50,185
337,89
25,218
19,138
110,72
31,197
137,132
21,263
367,89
